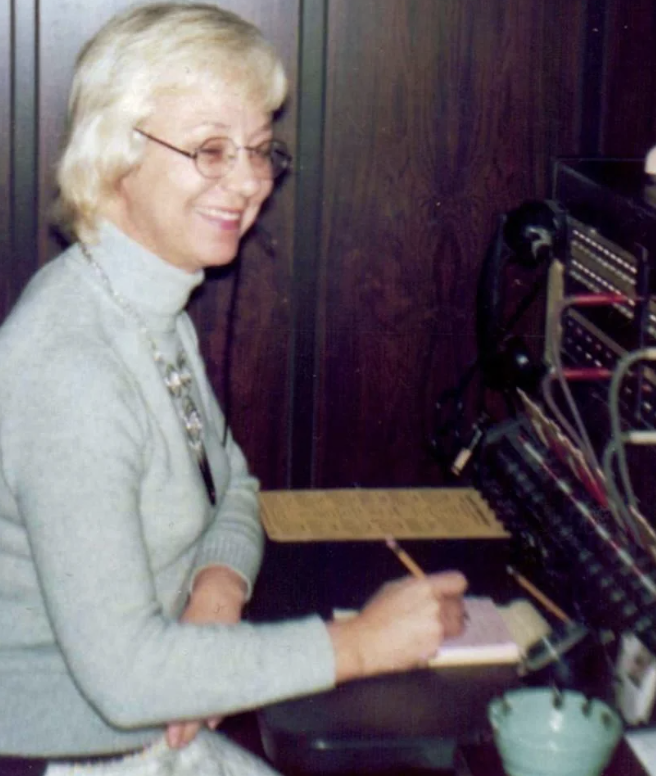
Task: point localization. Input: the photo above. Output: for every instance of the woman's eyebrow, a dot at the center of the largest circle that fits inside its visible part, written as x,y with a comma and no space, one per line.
217,125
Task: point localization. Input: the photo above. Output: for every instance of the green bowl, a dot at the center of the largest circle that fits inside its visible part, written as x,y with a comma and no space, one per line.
543,732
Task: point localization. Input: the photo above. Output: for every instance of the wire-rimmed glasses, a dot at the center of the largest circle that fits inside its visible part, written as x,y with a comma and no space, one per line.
217,156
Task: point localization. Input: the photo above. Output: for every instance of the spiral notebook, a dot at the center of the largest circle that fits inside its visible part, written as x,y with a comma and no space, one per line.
486,638
493,634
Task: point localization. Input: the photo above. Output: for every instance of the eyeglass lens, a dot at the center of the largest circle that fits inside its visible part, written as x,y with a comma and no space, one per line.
217,155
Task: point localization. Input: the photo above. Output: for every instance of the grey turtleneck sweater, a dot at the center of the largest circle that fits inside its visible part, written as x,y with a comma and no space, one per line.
104,520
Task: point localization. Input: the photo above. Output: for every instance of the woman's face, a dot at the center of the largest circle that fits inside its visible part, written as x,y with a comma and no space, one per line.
167,206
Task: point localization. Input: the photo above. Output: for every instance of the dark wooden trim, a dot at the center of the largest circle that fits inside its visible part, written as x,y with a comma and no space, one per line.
593,79
307,239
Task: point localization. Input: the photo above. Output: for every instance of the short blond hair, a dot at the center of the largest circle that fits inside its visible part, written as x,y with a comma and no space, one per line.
137,56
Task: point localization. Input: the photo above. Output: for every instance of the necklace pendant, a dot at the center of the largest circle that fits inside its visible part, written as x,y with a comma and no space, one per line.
173,381
177,379
193,423
183,370
205,470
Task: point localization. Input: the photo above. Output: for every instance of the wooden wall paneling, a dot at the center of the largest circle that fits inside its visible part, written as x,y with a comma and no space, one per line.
391,192
559,48
629,119
561,42
592,74
259,359
307,247
437,117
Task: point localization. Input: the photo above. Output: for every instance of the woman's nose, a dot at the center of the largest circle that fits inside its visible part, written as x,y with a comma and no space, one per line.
241,176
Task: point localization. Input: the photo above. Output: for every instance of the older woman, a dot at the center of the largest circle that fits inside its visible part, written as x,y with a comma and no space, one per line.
129,532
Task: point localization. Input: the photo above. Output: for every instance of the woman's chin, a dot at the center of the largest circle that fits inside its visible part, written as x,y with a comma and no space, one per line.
218,252
219,258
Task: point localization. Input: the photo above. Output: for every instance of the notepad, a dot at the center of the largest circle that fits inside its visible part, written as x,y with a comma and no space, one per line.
485,639
493,635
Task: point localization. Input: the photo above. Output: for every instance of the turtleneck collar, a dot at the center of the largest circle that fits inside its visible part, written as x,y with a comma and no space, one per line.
158,290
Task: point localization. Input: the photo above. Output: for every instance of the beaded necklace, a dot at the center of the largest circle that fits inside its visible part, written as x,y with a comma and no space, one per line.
176,376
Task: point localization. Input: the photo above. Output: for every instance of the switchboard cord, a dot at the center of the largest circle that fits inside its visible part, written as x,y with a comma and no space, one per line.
602,471
617,446
579,435
449,408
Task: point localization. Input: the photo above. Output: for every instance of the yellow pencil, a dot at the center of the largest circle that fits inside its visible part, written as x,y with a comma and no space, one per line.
548,604
413,567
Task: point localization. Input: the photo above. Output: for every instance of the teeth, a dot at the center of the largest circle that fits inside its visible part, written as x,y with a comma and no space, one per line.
215,212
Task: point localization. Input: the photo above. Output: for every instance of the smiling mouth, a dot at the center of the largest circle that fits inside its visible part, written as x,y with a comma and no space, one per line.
219,214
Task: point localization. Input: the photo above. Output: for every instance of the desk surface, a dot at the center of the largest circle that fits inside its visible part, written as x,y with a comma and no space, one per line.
471,760
484,761
413,719
386,713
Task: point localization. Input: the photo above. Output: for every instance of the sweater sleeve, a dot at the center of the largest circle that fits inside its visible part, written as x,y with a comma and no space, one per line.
235,538
73,455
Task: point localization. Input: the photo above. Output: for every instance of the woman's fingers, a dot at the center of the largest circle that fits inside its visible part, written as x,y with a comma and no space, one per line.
452,614
401,627
449,587
179,734
448,583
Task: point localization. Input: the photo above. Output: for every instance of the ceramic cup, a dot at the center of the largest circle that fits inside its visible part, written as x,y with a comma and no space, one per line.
546,732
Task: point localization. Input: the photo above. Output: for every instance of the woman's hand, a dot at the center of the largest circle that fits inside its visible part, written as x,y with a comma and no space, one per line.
218,596
401,627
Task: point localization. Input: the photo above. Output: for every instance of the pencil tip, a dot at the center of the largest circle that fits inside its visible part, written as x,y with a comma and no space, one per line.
391,543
